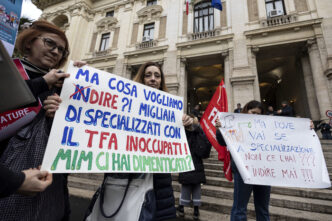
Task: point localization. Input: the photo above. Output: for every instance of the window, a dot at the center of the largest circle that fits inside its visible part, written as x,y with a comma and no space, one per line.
104,43
203,17
151,2
110,14
275,8
148,32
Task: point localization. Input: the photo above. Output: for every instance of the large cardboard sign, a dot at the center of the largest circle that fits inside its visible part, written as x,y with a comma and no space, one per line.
276,151
107,123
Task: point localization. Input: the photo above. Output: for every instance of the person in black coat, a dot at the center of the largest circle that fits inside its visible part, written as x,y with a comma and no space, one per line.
286,110
325,129
191,181
27,182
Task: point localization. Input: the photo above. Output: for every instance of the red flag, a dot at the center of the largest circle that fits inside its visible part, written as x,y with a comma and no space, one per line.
187,6
217,104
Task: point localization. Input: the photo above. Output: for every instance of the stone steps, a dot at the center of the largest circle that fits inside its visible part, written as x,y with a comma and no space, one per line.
276,213
217,193
278,200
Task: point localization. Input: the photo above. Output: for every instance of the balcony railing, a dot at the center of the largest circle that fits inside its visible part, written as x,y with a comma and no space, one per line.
101,53
146,44
279,20
202,35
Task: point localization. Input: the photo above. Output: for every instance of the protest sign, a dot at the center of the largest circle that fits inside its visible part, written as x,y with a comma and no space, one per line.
276,151
10,12
107,123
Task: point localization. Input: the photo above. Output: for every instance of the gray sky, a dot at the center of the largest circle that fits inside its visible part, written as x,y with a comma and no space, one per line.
30,10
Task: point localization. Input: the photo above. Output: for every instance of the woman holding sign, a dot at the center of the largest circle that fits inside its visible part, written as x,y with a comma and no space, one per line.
45,49
113,202
243,191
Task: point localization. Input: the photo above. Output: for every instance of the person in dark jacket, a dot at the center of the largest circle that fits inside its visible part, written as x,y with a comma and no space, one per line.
238,108
45,48
270,111
27,182
286,110
191,181
243,191
325,129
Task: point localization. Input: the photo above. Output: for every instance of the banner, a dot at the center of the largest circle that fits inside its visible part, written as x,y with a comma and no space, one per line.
275,151
10,13
217,104
107,123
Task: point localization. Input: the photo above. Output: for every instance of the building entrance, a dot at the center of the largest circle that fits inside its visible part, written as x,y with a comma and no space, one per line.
281,77
204,74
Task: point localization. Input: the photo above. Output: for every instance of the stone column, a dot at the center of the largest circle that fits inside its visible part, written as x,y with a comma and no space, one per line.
227,82
309,86
257,94
261,10
291,7
319,79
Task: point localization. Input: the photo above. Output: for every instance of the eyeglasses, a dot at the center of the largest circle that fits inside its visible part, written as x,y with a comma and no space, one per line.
50,44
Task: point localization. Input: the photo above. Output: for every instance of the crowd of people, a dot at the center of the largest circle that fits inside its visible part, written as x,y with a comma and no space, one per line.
26,193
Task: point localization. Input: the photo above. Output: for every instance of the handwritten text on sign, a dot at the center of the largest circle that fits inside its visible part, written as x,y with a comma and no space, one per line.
276,151
107,123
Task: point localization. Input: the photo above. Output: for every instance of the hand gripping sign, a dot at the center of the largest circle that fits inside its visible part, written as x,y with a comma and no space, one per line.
276,151
107,123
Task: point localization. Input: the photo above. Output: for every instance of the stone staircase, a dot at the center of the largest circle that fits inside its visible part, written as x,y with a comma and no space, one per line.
217,194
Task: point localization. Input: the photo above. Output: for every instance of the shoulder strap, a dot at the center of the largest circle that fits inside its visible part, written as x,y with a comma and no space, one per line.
102,191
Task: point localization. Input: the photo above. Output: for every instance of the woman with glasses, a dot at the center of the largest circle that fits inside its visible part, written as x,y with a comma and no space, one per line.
45,49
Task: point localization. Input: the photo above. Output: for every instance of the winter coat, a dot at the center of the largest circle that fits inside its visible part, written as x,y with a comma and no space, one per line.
165,202
200,148
38,207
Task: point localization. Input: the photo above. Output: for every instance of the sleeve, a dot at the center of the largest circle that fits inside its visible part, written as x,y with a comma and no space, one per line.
220,138
37,86
10,181
203,146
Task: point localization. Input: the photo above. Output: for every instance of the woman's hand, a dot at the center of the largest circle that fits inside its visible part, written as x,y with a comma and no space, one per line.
79,63
55,78
312,126
189,122
218,124
51,104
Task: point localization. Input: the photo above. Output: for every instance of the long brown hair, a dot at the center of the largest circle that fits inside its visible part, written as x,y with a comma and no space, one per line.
141,71
251,105
27,36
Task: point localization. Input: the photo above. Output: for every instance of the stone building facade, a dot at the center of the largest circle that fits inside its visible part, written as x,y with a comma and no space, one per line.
268,50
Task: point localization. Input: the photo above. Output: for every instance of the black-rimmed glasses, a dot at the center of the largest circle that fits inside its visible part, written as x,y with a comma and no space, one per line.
50,44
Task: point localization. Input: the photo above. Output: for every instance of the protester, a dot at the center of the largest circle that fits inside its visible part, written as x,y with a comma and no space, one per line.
191,181
286,110
196,111
325,129
270,111
27,182
45,49
152,75
238,109
243,191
